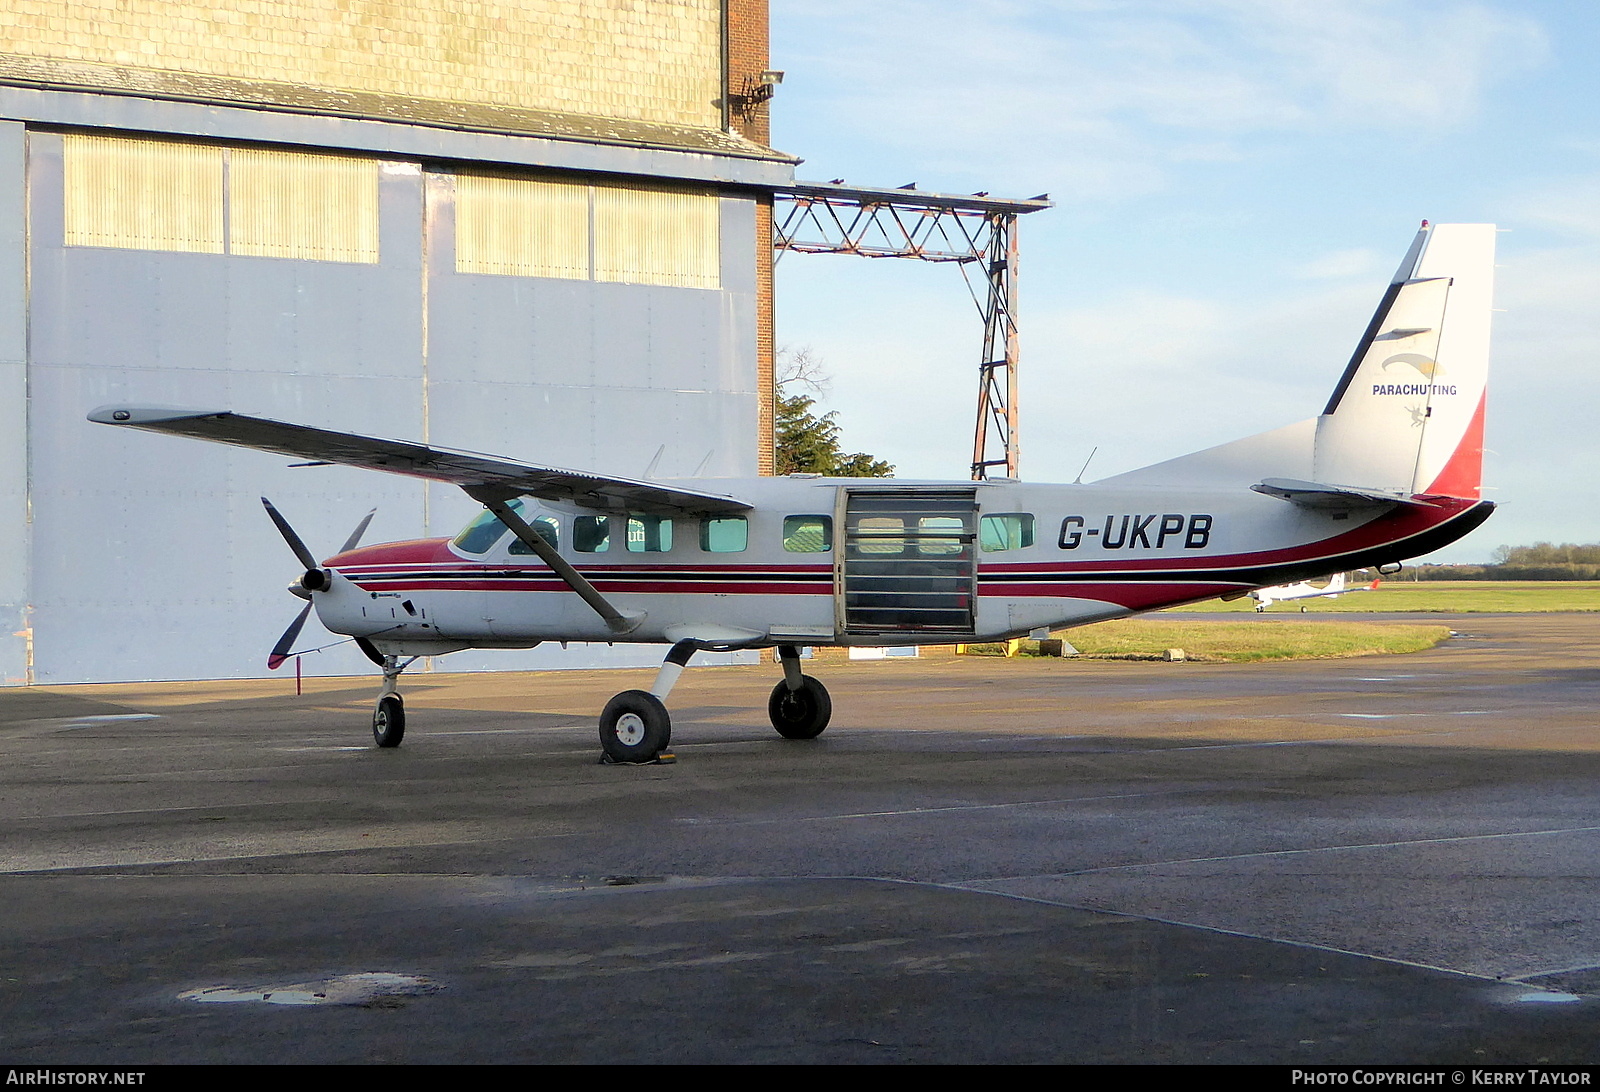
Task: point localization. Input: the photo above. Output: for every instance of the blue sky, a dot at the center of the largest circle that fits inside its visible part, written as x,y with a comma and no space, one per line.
1235,182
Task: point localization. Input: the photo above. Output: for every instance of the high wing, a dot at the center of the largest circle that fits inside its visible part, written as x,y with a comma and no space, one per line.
471,471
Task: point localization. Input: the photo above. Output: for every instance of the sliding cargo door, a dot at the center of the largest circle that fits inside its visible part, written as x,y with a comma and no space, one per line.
908,563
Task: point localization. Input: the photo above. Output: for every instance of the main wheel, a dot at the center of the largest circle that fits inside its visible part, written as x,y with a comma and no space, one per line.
802,713
389,721
635,727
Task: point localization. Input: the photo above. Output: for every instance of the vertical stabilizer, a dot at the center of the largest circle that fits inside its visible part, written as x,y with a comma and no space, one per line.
1407,416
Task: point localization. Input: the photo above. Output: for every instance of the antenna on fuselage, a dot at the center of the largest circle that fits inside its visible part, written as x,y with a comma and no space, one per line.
1079,479
699,470
650,471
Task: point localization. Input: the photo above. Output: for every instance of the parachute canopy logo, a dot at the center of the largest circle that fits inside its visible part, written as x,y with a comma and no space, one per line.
1426,365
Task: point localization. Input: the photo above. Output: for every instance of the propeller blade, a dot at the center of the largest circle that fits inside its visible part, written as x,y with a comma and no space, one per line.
369,650
299,548
280,651
361,529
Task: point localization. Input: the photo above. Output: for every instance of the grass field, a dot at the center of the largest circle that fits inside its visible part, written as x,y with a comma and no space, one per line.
1446,597
1254,638
1220,641
1249,641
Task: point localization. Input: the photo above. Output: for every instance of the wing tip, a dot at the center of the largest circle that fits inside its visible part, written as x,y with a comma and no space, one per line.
146,415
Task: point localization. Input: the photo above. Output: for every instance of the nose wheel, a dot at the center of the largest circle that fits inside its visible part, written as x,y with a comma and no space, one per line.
389,721
389,715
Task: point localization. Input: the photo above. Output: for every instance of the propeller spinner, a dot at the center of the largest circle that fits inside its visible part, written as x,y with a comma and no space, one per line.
314,579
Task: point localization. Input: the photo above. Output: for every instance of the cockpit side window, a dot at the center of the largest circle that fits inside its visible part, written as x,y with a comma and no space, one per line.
546,528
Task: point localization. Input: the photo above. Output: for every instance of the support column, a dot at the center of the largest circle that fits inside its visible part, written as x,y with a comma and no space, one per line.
16,642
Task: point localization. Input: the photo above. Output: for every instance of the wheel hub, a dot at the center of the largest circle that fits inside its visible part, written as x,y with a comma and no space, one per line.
630,729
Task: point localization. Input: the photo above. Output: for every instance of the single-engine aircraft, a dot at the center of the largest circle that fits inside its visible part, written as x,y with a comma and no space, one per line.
1390,469
1304,589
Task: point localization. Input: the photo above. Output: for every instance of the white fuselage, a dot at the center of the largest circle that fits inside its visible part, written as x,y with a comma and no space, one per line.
828,561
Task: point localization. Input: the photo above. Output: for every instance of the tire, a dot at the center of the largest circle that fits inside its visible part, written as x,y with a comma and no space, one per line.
802,713
389,721
635,727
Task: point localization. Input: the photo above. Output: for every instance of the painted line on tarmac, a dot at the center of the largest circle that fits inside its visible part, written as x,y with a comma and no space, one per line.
690,820
1324,849
185,807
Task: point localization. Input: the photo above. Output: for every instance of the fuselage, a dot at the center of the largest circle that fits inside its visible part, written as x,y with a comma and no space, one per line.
830,561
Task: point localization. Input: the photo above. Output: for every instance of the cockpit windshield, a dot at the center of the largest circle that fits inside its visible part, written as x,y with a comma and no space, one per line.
485,530
481,535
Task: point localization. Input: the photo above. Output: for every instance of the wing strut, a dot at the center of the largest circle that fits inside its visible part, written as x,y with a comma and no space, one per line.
495,500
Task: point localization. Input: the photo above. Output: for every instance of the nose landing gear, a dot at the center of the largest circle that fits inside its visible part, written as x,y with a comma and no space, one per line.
389,716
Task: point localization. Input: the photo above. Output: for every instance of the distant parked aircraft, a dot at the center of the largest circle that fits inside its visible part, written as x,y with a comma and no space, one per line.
1284,593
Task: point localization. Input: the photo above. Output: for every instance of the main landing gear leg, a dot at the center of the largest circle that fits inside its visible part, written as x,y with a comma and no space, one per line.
635,726
389,717
799,707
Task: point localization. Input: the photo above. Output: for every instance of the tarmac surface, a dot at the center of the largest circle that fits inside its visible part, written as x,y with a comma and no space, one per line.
1386,859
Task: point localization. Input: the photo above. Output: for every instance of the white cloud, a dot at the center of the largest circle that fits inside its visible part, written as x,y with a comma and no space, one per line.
1341,263
1103,98
1569,206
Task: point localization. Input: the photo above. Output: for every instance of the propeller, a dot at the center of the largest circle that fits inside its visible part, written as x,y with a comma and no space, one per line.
314,579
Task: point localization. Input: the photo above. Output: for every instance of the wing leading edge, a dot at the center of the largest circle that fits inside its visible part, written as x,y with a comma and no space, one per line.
462,468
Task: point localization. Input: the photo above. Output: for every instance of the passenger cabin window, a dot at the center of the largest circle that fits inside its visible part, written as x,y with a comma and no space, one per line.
591,534
808,534
728,535
1011,531
546,528
649,534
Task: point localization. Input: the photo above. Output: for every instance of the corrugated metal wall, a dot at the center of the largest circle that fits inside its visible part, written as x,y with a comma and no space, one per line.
142,194
347,293
521,227
655,237
321,208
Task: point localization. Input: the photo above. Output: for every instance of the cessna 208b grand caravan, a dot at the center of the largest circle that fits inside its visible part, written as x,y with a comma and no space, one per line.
1389,470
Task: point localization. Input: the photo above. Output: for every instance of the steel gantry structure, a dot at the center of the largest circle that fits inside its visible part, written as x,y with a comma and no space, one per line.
968,229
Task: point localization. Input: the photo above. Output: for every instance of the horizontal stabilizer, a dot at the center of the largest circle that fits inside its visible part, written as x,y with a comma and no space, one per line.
462,468
1322,497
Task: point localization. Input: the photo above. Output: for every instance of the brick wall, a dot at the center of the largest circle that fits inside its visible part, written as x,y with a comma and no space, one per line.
747,57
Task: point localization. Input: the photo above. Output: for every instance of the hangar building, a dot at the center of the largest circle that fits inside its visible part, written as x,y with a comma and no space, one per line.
533,228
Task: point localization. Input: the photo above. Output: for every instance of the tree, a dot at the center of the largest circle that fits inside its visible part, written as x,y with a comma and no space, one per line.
806,443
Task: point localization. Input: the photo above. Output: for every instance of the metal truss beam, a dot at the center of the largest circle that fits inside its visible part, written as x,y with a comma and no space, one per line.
974,231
